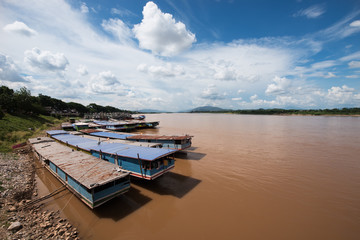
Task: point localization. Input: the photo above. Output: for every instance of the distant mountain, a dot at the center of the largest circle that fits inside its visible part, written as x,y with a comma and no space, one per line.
207,109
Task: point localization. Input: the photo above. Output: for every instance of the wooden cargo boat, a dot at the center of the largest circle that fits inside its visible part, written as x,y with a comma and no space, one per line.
94,182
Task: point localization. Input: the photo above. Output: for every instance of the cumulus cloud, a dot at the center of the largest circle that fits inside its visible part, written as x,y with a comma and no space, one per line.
9,71
119,29
225,71
343,95
311,12
82,70
280,86
161,34
166,70
20,28
46,60
107,83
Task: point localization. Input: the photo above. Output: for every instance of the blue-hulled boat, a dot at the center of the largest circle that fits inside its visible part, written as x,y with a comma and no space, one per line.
143,162
94,182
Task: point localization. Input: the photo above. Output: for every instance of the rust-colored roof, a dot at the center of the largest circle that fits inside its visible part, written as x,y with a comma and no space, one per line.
89,130
84,168
158,137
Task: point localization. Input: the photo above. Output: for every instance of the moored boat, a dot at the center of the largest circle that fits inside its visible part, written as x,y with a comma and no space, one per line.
143,162
94,182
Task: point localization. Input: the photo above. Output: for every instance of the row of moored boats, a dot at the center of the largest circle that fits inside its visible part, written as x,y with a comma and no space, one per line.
96,163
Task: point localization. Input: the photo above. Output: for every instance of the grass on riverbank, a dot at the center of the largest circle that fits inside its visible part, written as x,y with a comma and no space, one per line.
15,129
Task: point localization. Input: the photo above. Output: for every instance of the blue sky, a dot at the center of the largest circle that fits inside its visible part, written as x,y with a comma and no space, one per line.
178,55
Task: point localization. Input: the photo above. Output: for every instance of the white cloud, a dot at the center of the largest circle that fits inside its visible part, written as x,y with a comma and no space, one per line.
211,93
353,76
122,12
161,34
45,60
106,83
82,70
330,75
236,99
353,56
84,8
240,91
280,86
119,29
20,28
355,23
225,71
343,95
311,12
323,64
166,70
354,64
9,71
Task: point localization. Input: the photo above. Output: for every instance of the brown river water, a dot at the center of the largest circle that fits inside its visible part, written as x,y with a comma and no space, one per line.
245,177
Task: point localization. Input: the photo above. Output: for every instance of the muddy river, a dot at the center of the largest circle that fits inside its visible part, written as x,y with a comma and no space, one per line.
245,177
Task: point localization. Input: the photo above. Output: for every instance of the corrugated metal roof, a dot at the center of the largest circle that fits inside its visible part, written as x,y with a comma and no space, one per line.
125,150
56,132
110,135
83,167
158,137
87,144
108,123
108,140
81,142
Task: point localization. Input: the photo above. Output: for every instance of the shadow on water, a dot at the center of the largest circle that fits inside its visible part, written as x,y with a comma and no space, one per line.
190,155
119,207
171,183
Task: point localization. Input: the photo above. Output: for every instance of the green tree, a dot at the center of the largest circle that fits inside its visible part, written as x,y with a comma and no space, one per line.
7,99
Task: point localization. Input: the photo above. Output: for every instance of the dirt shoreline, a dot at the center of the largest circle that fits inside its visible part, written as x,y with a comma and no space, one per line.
20,216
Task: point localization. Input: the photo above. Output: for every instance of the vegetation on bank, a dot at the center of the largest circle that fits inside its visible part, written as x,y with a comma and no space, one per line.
21,102
16,129
277,111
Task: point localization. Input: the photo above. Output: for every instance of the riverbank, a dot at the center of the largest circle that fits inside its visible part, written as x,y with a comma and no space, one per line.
20,216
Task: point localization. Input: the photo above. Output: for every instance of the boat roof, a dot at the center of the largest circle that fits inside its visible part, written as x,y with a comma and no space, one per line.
56,132
77,141
158,137
112,140
81,124
84,168
125,150
108,123
89,130
110,135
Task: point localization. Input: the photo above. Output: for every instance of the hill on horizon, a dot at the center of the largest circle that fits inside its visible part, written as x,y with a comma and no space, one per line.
207,109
